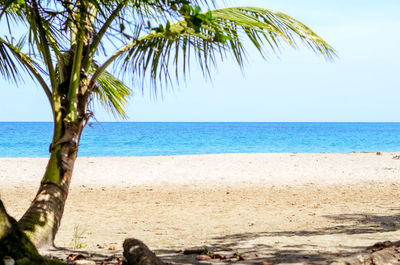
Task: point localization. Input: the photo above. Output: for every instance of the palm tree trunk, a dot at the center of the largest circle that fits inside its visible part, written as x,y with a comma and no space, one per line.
13,242
43,218
15,245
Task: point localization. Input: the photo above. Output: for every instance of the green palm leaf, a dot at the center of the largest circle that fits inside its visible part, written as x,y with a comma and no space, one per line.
223,33
8,68
169,50
113,94
12,55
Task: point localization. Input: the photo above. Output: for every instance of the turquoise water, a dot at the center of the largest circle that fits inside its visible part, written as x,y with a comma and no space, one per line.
26,139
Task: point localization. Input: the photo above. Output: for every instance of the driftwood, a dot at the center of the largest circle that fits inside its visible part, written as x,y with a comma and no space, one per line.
137,253
383,253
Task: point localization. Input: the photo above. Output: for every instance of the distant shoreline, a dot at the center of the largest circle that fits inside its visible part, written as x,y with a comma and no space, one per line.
216,154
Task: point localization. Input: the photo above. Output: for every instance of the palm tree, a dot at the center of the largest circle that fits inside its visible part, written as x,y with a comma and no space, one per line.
66,48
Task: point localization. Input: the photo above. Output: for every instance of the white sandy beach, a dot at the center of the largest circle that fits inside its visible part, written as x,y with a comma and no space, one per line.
279,208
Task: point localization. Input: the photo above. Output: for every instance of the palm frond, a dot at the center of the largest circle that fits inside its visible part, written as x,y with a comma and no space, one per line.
12,10
153,7
223,33
272,26
113,94
8,68
23,60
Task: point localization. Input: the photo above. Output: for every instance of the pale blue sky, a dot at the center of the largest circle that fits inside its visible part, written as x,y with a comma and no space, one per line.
361,85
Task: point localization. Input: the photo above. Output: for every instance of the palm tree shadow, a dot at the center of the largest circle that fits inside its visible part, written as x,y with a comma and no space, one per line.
97,256
309,253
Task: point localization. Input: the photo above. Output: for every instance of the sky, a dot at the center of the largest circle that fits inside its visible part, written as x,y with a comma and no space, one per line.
362,85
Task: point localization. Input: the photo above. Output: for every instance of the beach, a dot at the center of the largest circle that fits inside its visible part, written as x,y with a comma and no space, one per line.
279,208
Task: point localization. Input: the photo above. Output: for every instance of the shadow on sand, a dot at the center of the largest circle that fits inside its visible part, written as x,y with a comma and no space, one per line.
248,244
100,257
253,248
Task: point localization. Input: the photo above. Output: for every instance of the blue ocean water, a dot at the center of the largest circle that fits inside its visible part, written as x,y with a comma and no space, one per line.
32,139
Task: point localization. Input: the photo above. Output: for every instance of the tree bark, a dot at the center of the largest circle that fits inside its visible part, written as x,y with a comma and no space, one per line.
43,218
15,245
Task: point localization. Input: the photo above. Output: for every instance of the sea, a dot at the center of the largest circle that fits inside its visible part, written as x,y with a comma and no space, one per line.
32,139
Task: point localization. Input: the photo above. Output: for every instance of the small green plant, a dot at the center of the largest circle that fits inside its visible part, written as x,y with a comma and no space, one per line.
77,237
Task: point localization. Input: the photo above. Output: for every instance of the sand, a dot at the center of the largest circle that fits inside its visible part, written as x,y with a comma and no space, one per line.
279,208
